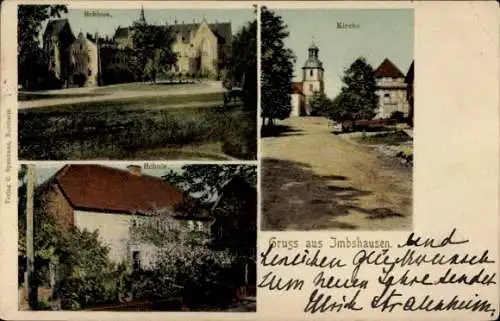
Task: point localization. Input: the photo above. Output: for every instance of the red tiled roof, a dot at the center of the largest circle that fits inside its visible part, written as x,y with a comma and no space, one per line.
297,88
100,188
388,69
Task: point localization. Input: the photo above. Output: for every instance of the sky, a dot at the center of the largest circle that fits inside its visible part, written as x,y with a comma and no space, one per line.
106,26
382,33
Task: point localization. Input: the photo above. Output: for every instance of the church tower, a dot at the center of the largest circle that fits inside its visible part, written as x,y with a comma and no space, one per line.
142,17
312,76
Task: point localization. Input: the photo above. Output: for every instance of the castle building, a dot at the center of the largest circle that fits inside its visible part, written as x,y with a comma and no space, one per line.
84,64
391,90
90,61
312,82
198,46
57,37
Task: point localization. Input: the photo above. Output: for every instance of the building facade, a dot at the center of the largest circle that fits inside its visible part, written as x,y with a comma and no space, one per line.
57,37
84,62
112,201
410,79
312,82
391,90
90,61
198,46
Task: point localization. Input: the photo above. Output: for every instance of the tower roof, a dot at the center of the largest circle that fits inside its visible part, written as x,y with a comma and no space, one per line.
313,46
313,60
142,17
388,69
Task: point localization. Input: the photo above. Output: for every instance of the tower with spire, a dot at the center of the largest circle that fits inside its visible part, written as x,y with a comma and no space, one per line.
142,17
312,76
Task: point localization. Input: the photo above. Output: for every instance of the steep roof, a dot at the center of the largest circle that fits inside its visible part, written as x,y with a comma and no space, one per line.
411,73
100,188
297,88
388,69
122,32
221,30
54,27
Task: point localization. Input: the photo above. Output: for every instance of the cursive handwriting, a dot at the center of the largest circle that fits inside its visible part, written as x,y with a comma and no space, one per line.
304,258
431,242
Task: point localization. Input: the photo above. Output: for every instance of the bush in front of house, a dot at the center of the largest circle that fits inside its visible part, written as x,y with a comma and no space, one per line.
85,275
398,116
79,79
184,266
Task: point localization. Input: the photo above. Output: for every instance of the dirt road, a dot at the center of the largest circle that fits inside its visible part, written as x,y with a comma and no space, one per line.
313,179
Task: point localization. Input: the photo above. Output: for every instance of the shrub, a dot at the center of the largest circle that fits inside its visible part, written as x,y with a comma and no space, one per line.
398,116
79,79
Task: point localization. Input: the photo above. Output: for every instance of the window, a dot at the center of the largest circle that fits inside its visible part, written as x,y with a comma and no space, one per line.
200,226
205,47
136,261
311,73
311,88
90,72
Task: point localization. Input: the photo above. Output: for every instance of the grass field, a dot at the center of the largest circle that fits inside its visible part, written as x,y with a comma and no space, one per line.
137,129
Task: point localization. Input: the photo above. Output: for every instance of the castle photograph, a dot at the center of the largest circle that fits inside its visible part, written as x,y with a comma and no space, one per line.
337,119
149,84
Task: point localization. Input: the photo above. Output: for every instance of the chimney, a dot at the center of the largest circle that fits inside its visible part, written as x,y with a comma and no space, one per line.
134,170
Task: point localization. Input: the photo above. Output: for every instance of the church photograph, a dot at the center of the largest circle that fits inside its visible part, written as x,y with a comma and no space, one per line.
337,137
149,83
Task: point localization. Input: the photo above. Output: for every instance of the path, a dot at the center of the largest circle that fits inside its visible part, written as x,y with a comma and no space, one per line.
116,92
313,179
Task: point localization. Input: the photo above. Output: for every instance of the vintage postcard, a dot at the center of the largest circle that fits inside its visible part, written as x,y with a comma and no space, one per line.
249,160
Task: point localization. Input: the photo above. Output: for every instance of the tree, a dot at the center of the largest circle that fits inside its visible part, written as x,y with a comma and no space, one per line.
241,66
153,49
31,63
277,63
208,180
320,104
182,262
85,275
233,187
357,99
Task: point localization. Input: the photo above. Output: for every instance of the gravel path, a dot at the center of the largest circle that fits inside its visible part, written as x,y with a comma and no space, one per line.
203,88
313,179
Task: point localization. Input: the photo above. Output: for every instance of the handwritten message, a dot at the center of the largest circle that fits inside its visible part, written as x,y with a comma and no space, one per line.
392,272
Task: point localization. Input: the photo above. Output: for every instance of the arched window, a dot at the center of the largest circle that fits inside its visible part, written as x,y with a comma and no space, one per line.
205,47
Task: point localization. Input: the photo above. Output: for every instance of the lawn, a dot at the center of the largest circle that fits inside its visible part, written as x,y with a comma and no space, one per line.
137,129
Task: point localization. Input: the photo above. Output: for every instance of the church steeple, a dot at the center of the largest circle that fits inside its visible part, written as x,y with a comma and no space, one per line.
313,59
142,18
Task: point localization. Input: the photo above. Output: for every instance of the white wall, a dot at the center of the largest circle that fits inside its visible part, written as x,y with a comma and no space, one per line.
295,105
113,230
